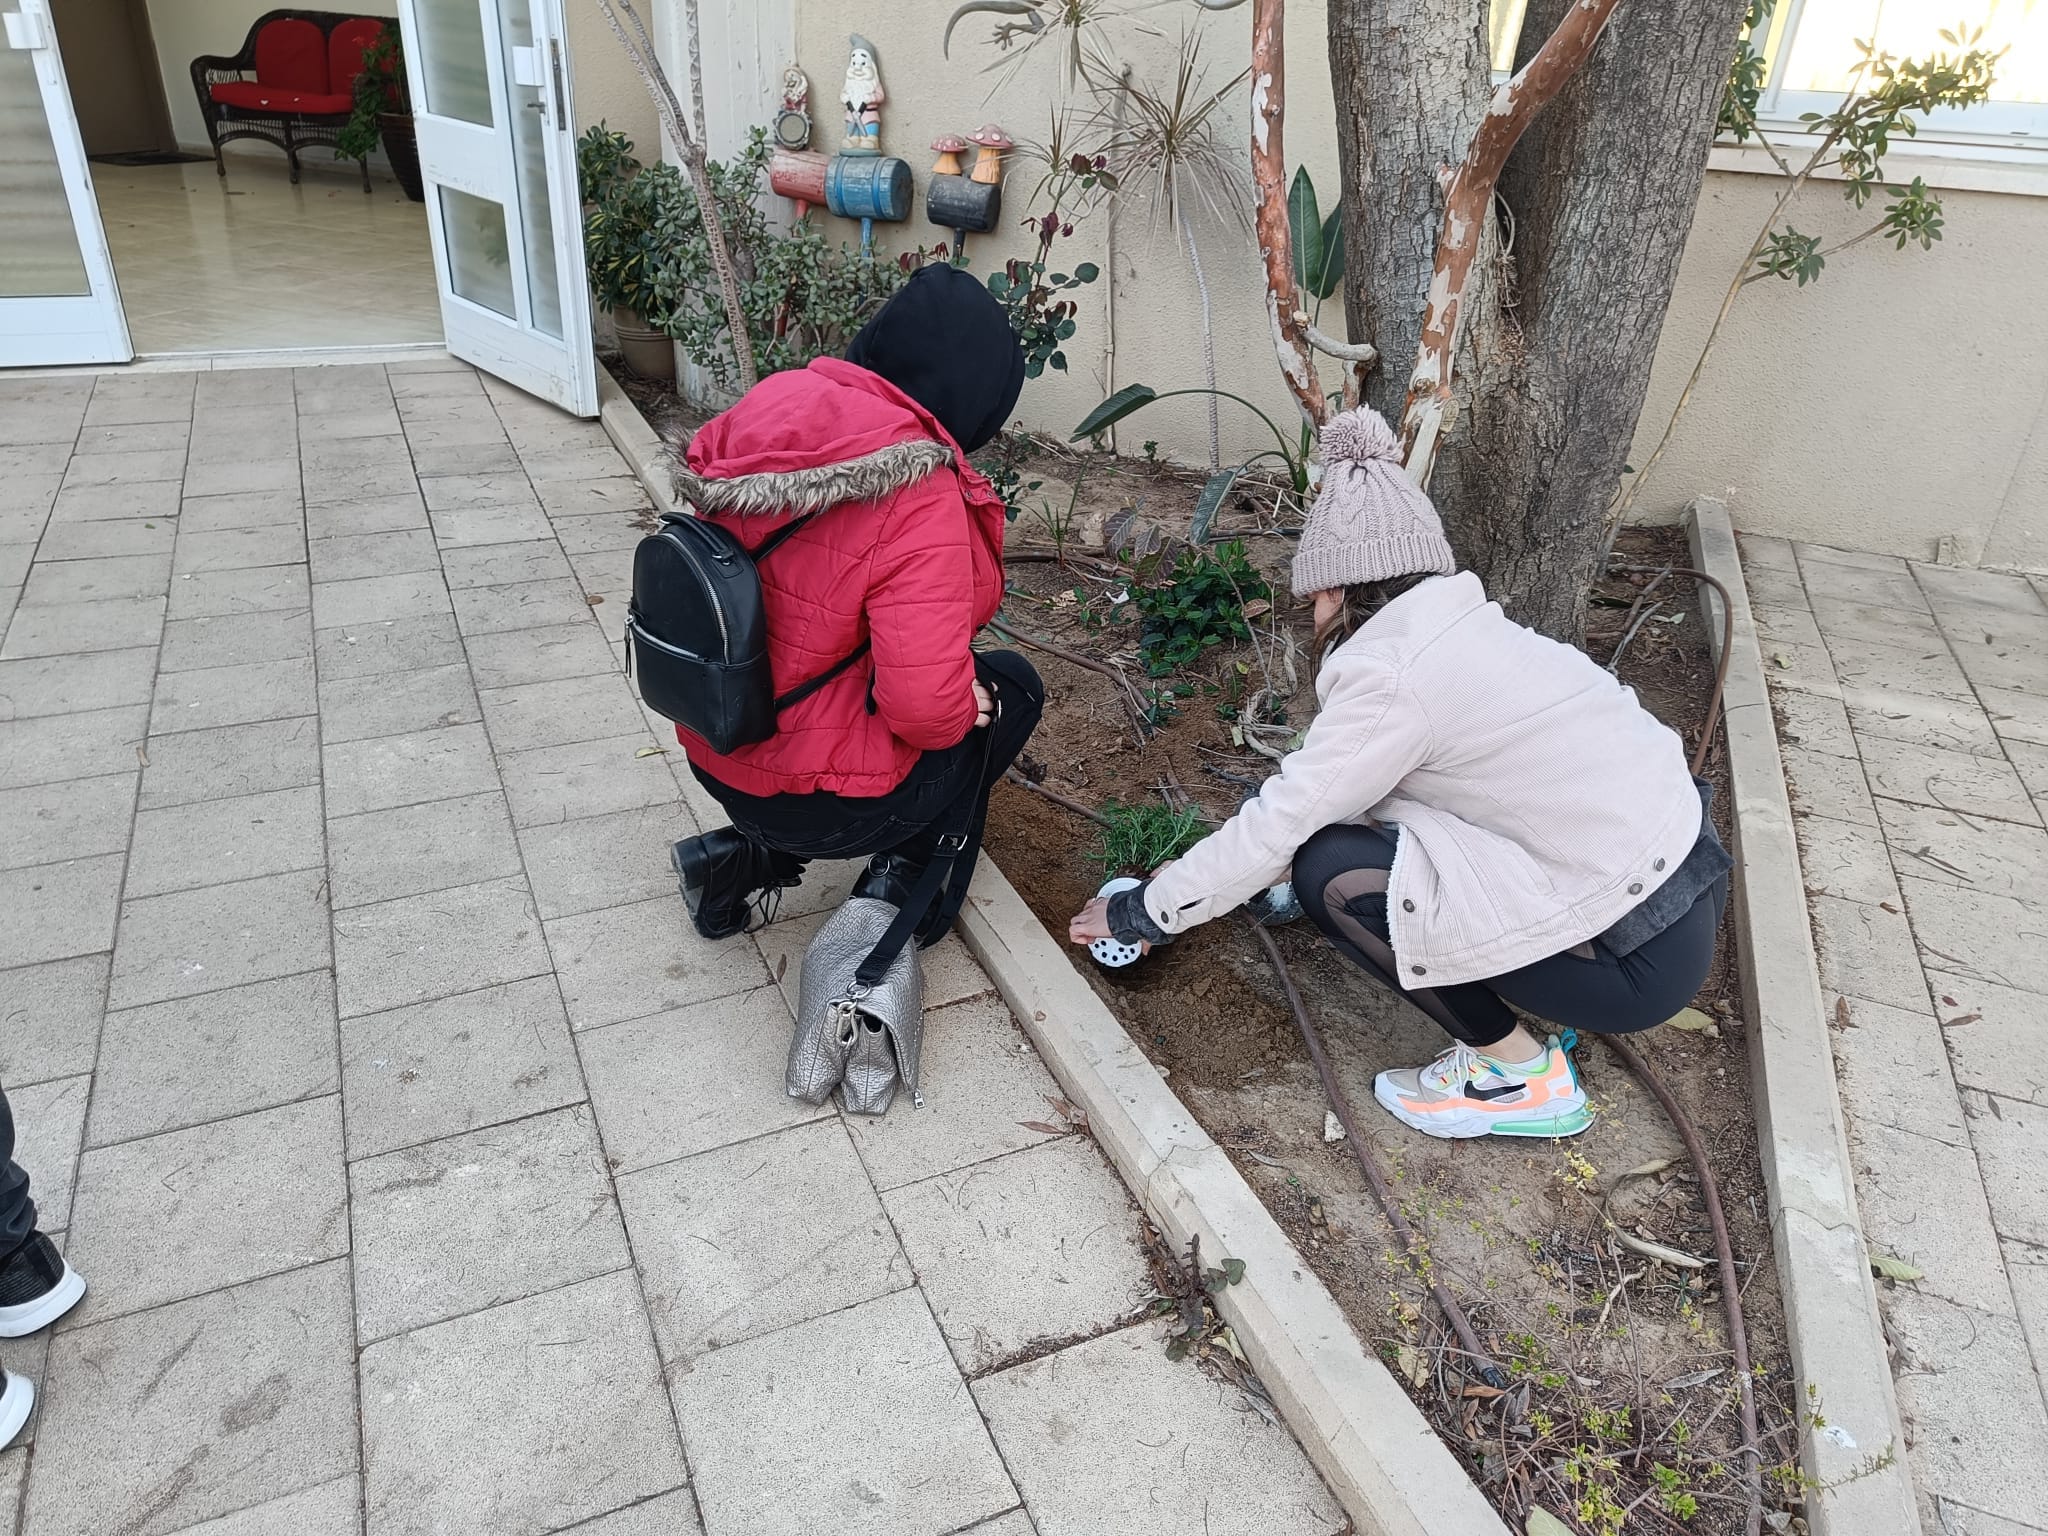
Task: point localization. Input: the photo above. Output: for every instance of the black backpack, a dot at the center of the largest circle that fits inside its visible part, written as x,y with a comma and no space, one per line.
697,633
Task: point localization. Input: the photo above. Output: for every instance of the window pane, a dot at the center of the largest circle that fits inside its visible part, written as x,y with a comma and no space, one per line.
39,256
1823,55
479,259
529,153
452,38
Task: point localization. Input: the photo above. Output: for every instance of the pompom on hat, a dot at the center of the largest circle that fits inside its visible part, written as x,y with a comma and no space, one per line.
1369,521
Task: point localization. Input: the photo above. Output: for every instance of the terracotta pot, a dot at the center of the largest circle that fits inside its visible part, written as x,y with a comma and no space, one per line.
649,353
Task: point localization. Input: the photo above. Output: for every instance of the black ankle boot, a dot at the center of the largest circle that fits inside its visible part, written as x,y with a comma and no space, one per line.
890,877
723,872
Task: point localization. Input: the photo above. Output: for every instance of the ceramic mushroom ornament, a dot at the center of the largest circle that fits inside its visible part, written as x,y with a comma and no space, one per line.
988,167
950,147
862,97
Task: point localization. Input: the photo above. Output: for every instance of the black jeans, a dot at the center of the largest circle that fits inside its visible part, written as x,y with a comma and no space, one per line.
17,1211
911,818
1340,878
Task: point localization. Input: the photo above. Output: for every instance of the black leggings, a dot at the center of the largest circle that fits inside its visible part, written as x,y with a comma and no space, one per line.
1340,878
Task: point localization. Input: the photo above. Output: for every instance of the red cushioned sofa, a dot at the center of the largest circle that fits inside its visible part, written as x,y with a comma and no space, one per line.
293,83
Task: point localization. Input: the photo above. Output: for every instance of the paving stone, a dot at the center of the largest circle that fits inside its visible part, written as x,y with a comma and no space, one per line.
2031,763
475,1220
63,629
418,948
56,911
2002,658
602,861
1892,1068
520,605
259,690
242,509
1954,1519
489,565
171,1216
523,1418
410,850
357,556
435,1069
1849,573
1932,844
56,685
107,577
1995,1035
923,1468
2000,938
1840,858
455,527
225,761
450,492
220,936
2017,715
380,772
585,778
134,437
1822,785
211,842
556,713
981,1082
1979,786
608,570
541,655
1972,1408
232,549
97,503
1867,952
200,1409
667,1514
396,703
257,589
242,475
339,512
2011,1137
1038,1245
609,530
1954,590
231,640
1785,623
1878,623
630,962
47,823
442,459
753,1237
400,645
1814,723
373,599
49,1125
178,1064
655,1102
332,1509
122,468
1921,1201
1906,668
48,749
109,540
50,1018
579,495
557,462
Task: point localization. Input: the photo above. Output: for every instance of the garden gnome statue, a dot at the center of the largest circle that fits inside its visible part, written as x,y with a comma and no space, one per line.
862,98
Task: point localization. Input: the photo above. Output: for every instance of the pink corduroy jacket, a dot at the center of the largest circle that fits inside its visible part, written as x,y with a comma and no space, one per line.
1537,801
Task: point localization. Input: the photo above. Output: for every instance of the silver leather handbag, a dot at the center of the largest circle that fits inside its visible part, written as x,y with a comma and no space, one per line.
858,1037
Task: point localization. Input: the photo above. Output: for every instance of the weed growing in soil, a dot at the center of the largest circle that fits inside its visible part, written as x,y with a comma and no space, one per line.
1201,606
1143,837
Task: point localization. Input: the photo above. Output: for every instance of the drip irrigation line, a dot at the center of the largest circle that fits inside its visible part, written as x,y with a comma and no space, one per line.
1714,696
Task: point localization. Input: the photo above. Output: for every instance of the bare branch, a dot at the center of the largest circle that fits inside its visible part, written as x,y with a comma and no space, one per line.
1269,182
1346,351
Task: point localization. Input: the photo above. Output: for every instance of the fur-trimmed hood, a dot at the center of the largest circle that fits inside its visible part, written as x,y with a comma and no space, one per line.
798,492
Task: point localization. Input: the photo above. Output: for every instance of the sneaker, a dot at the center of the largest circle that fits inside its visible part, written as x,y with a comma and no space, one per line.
17,1402
1467,1093
36,1287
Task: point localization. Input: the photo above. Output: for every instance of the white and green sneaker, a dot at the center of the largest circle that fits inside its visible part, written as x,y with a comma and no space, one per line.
1465,1092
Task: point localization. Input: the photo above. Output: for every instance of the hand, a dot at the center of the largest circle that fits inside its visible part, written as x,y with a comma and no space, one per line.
984,704
1092,923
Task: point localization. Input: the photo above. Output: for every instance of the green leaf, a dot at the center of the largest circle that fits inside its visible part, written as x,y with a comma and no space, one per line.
1543,1523
1132,397
1087,272
1333,254
1211,500
1233,1270
1305,229
1894,1268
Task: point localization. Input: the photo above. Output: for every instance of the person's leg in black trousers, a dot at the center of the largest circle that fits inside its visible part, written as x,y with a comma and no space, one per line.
36,1286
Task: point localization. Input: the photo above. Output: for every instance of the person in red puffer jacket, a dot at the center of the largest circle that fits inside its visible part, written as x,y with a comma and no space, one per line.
902,553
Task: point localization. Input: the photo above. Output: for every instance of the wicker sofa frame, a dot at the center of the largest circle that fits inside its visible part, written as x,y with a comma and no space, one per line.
289,131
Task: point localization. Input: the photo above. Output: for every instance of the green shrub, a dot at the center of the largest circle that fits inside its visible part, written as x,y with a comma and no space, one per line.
1200,606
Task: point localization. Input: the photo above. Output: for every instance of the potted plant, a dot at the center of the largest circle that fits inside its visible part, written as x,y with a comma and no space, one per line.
382,112
623,205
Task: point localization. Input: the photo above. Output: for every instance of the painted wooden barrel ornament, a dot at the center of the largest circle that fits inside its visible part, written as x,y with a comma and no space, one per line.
869,187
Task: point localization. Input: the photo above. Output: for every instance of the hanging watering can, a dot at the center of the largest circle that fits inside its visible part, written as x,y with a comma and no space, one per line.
868,187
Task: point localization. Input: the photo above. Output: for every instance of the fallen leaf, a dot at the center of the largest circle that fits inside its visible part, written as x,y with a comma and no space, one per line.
1412,1365
1263,1160
1480,1391
1893,1268
1949,1000
1842,1019
1779,659
1228,1340
1695,1379
1041,1127
1964,1018
650,751
1543,1523
781,966
1644,1170
592,598
1257,608
1888,907
1693,1020
1333,1129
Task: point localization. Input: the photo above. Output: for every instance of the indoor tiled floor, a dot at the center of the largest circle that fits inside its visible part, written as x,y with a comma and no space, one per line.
253,263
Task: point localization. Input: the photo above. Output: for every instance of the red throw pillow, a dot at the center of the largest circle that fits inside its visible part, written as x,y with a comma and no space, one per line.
292,56
345,45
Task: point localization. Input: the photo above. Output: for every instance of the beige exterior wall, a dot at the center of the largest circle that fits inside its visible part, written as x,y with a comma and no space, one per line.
605,88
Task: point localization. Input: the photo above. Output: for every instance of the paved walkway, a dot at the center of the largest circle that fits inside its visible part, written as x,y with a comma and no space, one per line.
1913,712
430,1175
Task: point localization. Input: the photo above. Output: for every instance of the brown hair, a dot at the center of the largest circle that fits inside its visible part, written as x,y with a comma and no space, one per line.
1361,601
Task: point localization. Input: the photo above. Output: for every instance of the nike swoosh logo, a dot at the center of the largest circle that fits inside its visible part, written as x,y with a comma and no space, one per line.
1505,1090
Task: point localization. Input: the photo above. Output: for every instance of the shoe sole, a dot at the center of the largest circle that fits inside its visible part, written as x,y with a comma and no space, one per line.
19,1321
17,1402
1467,1124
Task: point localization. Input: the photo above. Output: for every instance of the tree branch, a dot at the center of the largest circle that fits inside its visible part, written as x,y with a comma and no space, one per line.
1269,182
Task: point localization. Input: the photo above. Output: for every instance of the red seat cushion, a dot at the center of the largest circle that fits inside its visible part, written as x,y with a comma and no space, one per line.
255,97
292,56
345,45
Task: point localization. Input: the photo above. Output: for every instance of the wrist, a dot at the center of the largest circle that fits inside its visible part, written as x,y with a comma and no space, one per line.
1130,921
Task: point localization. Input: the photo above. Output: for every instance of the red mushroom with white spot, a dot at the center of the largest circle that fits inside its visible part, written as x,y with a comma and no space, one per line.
950,147
988,167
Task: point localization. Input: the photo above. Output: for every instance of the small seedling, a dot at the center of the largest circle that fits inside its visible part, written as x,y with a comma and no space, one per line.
1143,837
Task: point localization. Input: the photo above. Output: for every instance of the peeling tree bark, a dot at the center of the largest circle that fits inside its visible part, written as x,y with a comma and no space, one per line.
1269,187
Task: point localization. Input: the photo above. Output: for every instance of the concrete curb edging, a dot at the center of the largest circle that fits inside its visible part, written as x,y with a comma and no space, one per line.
1386,1465
1839,1359
634,438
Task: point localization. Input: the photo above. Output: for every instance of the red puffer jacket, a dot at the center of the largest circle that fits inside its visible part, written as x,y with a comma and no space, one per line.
908,551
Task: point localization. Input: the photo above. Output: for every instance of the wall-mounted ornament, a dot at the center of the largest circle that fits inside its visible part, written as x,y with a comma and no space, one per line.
862,97
792,128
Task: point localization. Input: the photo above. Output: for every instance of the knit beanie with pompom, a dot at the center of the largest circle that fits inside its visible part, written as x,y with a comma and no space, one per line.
1370,521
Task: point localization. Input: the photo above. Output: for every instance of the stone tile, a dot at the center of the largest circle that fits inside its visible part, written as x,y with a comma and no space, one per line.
242,475
923,1468
1785,623
455,527
1113,1436
380,772
556,713
630,962
357,556
418,948
377,421
675,1514
47,823
56,685
49,1124
63,629
475,1220
566,463
109,577
211,842
56,911
655,1102
520,605
1999,938
1956,591
373,599
1821,785
1962,781
233,549
249,1393
2011,1137
435,1069
225,761
1038,1245
49,748
980,1082
50,1018
220,936
171,1216
1907,668
257,589
1814,723
526,1417
1932,844
610,530
1994,1034
410,850
97,503
1892,1068
122,468
2016,715
1840,858
753,1237
579,496
1842,618
1954,1519
101,541
2002,659
2027,1268
396,703
489,565
542,655
602,861
211,1057
258,690
340,512
608,570
1972,1409
242,509
135,437
331,1509
430,460
1921,1201
232,640
446,493
122,397
1867,952
2031,763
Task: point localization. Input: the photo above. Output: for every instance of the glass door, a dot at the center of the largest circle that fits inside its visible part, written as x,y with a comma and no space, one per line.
490,89
58,302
